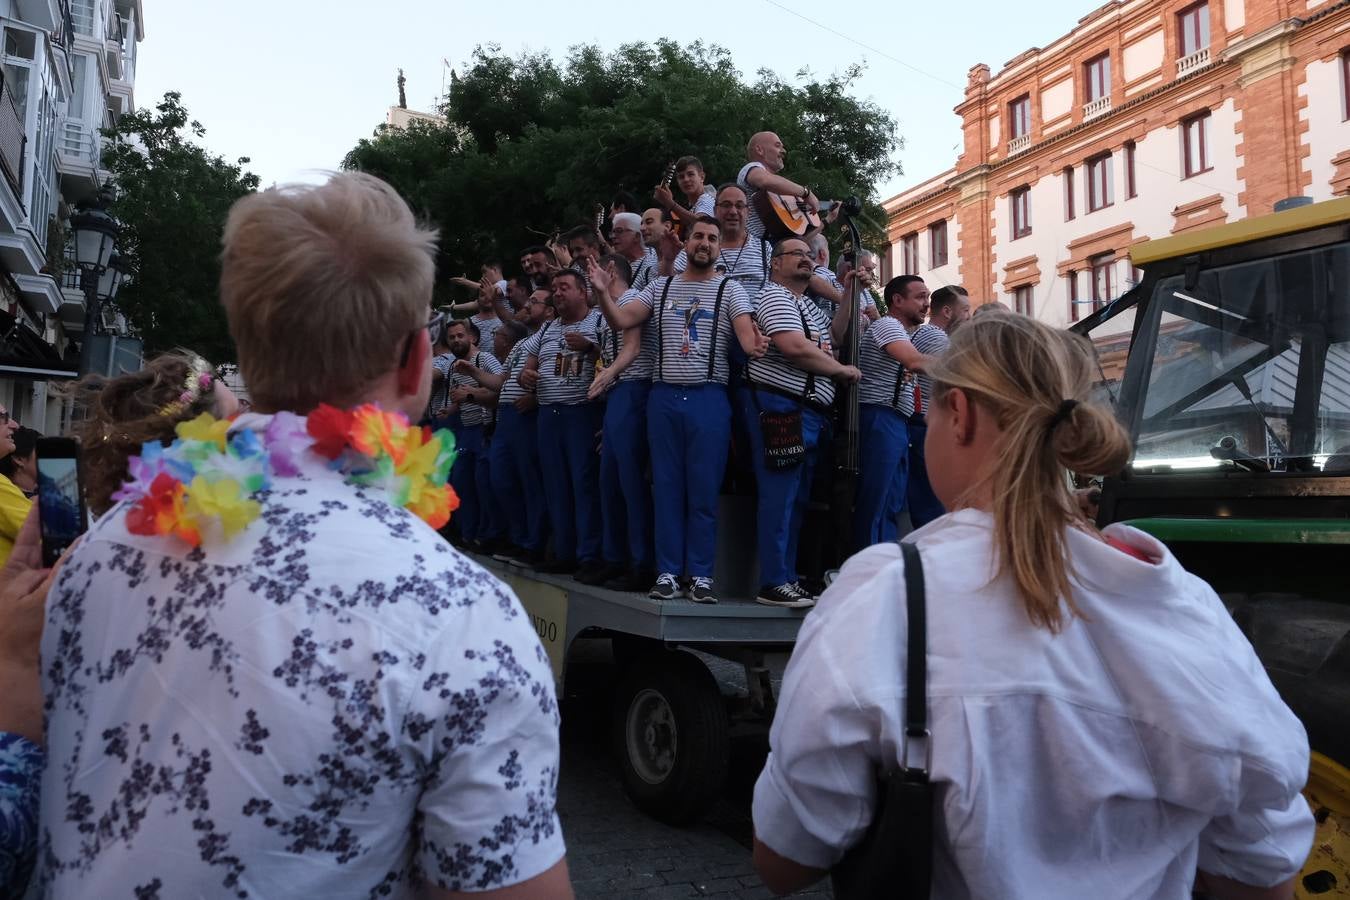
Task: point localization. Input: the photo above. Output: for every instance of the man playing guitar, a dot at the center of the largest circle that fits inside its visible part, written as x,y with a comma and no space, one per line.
698,197
766,155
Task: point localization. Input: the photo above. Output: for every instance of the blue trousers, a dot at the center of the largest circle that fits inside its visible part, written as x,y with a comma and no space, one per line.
884,450
625,495
688,427
517,487
783,494
491,519
924,506
464,479
571,482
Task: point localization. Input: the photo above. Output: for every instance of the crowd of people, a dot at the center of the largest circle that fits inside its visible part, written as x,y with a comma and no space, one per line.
261,672
623,372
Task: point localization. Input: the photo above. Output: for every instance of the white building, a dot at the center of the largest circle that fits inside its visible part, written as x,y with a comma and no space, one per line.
69,69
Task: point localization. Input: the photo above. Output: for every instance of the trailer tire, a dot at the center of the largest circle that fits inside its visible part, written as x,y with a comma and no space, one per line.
671,736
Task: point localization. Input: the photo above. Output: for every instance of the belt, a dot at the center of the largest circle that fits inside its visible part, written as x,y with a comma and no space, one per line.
809,402
918,419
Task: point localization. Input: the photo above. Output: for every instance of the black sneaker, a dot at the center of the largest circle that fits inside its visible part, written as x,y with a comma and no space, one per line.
666,587
595,572
787,596
558,567
631,581
700,591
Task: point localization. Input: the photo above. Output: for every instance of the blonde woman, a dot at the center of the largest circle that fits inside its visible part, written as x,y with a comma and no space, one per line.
1100,727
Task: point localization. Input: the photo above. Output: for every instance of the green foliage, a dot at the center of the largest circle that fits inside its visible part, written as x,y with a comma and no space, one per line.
172,197
530,146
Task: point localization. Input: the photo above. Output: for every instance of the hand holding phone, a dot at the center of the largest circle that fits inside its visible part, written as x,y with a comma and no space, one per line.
60,496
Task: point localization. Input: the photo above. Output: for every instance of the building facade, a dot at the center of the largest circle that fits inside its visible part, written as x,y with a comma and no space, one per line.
1149,118
69,69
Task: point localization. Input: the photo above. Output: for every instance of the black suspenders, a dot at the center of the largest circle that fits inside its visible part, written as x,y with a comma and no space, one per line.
661,332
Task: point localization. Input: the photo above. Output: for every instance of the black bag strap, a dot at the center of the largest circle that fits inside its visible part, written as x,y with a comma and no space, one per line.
712,341
916,662
810,389
660,330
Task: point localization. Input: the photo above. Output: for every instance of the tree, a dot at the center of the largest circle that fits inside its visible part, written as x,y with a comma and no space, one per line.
172,196
530,147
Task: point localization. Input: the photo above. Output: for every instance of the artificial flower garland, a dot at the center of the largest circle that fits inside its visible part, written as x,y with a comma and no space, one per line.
206,479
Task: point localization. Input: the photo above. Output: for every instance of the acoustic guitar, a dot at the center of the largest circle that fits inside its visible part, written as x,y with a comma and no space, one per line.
784,216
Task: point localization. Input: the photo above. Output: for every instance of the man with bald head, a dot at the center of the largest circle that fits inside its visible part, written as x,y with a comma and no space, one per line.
767,155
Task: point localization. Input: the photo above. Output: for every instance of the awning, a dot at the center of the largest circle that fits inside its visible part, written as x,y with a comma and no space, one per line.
24,354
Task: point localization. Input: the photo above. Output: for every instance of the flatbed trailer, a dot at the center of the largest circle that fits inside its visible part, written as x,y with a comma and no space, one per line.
672,725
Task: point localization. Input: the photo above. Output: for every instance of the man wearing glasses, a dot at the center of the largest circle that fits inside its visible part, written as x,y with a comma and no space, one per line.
741,257
14,505
786,402
627,235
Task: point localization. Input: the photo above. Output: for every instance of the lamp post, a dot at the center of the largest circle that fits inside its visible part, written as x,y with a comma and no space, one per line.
95,236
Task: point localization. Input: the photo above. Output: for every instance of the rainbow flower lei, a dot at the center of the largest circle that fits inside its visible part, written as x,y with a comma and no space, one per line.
203,484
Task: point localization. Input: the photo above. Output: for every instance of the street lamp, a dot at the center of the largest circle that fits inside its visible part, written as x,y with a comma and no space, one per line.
95,236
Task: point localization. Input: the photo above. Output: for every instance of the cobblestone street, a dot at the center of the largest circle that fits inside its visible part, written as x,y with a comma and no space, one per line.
615,851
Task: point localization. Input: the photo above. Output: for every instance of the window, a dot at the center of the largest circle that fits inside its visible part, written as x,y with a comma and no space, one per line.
1068,193
1020,202
909,254
1098,75
1193,29
937,244
1072,278
1103,280
1022,300
1100,192
1345,85
1131,191
1019,117
1195,144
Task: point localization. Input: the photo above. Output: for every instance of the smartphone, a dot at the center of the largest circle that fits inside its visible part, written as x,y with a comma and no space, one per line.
60,496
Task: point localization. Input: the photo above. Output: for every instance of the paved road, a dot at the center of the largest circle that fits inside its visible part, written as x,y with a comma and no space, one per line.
616,852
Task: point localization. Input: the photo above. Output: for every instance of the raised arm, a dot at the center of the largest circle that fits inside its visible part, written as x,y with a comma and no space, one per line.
622,318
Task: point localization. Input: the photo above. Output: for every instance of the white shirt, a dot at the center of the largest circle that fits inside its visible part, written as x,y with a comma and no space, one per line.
317,707
885,381
693,335
1108,761
752,223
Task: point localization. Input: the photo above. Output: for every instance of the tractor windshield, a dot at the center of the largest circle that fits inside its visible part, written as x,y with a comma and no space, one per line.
1249,367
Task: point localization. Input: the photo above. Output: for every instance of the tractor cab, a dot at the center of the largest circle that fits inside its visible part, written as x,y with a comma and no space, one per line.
1230,364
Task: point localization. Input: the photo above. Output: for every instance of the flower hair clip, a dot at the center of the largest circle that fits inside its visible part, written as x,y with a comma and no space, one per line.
199,380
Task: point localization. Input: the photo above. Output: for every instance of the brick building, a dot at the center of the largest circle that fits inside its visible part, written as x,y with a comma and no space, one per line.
1149,118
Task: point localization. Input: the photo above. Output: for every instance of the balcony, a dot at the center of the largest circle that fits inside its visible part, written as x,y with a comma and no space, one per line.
1019,143
79,148
1193,63
13,139
1097,107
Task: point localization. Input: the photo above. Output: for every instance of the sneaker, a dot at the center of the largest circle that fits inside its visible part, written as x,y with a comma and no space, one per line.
666,588
596,572
787,596
701,590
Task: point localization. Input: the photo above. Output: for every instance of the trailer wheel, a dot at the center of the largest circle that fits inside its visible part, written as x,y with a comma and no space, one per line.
671,737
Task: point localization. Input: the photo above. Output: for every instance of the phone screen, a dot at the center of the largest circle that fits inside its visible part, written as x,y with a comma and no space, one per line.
60,509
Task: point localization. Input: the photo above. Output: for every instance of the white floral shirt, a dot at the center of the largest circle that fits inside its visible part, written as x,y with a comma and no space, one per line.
333,704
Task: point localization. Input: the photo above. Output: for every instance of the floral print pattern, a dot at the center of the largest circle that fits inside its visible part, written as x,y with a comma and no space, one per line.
334,698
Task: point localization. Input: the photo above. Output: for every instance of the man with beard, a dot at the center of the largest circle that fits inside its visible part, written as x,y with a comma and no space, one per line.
476,520
698,196
514,455
625,383
741,256
538,263
788,395
888,361
628,242
950,307
559,368
767,156
694,315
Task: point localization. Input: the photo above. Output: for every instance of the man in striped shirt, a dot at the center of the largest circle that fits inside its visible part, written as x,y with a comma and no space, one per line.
516,478
559,367
767,156
698,196
950,307
889,361
627,235
786,401
467,397
695,315
625,494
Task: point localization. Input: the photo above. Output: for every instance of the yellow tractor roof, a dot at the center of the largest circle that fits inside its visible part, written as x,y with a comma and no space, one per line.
1300,218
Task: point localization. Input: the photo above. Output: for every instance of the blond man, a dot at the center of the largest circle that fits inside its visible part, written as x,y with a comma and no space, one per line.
330,701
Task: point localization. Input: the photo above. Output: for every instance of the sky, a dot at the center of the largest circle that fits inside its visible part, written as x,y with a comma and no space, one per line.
294,84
